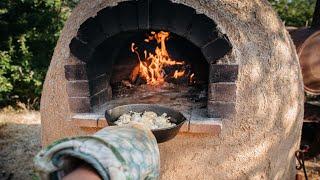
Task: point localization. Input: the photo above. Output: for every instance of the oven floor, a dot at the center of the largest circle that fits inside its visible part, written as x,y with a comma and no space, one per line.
189,100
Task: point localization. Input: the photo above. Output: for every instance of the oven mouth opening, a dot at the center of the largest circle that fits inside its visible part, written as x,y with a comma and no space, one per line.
177,75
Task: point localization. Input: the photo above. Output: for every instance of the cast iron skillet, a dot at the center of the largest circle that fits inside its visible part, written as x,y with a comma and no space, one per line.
161,135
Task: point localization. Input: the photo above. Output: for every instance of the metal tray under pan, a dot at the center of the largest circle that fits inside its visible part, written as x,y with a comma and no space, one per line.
161,135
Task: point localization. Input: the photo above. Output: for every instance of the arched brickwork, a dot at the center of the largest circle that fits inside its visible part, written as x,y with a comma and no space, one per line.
87,89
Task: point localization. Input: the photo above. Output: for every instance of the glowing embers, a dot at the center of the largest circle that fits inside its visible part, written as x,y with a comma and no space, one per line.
158,67
177,74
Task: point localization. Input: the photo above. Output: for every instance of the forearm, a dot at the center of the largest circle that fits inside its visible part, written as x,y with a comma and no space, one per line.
105,155
84,172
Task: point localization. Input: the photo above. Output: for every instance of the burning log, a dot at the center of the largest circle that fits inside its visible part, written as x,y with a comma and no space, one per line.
126,83
135,73
156,68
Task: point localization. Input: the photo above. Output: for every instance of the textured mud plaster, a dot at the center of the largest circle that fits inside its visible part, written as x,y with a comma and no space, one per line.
259,141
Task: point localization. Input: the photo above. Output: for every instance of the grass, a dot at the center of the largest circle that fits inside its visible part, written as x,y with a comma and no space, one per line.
20,141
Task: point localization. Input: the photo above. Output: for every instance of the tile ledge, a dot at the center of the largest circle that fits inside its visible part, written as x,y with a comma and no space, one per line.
88,120
211,126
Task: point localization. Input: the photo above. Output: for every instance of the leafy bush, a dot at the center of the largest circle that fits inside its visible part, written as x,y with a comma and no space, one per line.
29,30
294,12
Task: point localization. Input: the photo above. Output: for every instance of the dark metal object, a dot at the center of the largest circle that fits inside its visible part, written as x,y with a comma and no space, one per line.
300,157
311,138
311,112
311,131
161,135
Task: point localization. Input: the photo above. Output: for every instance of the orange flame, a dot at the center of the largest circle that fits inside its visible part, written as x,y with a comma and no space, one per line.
177,74
191,78
152,67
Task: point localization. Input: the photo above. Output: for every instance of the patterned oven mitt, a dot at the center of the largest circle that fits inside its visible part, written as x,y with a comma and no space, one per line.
114,152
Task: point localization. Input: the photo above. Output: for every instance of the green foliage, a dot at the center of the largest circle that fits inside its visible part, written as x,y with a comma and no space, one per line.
294,12
29,30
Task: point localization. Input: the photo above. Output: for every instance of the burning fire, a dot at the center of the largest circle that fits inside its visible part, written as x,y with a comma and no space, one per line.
177,74
151,68
191,79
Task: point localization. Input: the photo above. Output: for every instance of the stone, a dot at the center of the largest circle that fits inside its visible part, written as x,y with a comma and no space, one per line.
202,31
87,120
128,15
99,98
223,73
109,19
98,84
201,124
80,49
91,33
160,14
79,104
181,21
143,14
222,92
102,122
75,72
219,109
216,49
210,127
78,88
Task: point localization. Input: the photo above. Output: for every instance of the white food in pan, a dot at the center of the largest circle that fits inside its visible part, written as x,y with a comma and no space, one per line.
148,118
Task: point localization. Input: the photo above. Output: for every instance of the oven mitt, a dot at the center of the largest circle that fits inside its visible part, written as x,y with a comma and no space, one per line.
129,152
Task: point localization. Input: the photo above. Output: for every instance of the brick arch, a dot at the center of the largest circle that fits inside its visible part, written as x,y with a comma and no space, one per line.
150,15
141,15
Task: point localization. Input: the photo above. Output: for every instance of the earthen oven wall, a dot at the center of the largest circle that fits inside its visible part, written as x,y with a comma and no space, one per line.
258,142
